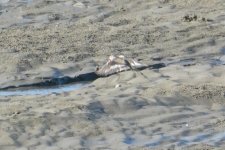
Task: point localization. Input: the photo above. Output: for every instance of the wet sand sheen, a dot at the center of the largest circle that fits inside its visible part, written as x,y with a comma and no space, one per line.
43,91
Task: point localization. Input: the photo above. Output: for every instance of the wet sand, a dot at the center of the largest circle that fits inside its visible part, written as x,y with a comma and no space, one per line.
179,106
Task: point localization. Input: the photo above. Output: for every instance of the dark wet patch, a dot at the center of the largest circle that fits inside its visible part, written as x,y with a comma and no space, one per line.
120,23
188,62
222,50
157,66
129,140
96,110
216,62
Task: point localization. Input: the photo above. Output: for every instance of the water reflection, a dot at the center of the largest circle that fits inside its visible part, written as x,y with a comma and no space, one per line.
42,91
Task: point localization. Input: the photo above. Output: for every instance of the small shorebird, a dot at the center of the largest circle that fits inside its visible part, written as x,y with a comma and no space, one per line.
117,64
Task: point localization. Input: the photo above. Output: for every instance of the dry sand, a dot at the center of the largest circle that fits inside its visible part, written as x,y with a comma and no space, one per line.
180,106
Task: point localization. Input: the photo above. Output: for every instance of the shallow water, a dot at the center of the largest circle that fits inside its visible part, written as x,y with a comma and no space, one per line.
43,91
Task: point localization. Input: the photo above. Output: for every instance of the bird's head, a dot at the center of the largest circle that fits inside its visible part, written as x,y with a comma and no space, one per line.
121,56
97,68
111,57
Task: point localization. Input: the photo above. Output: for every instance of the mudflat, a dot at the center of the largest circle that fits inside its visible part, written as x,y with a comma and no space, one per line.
179,106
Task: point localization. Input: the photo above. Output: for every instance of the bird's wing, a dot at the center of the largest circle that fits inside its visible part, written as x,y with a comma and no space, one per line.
136,64
107,70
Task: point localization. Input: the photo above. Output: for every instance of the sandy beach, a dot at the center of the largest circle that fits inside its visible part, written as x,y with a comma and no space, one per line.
178,106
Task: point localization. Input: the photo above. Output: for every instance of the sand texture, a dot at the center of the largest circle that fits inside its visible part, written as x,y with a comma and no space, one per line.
178,106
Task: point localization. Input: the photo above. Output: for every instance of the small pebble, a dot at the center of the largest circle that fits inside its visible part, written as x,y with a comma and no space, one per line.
118,85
